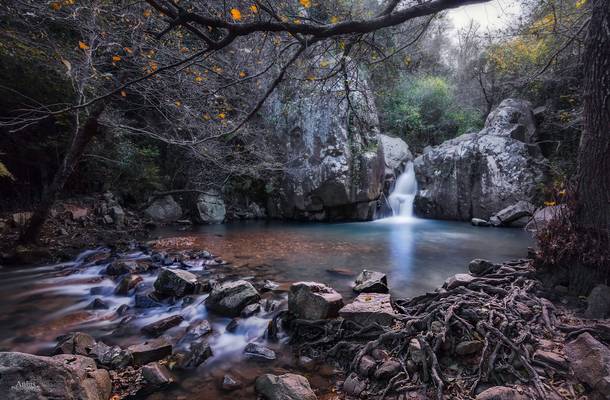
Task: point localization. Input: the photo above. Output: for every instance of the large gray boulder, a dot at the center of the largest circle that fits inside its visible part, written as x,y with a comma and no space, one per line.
164,209
590,361
516,215
284,387
210,208
67,377
478,174
334,165
371,282
369,308
230,298
312,300
543,216
598,302
175,282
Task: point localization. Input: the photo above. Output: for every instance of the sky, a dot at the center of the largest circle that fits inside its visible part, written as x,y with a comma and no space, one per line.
493,15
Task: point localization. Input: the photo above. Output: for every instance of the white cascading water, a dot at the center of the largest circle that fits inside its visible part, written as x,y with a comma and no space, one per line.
402,197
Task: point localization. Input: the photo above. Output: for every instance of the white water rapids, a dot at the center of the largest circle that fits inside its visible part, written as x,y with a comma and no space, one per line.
402,197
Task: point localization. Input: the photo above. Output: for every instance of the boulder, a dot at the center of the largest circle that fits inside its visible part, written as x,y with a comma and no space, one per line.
312,300
66,377
118,215
164,209
477,174
210,208
175,282
520,211
370,308
458,280
127,283
501,393
468,347
74,343
259,352
396,154
156,328
513,118
197,331
590,361
371,282
147,300
230,298
156,376
479,222
113,357
598,303
479,266
353,385
149,351
284,387
120,267
551,358
97,304
335,166
543,216
229,383
250,310
199,352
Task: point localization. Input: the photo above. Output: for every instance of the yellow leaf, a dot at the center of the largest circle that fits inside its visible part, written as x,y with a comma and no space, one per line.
116,58
206,116
254,9
55,6
184,50
324,63
69,2
235,14
297,21
580,3
217,69
128,50
147,13
305,3
177,103
242,74
82,45
222,115
198,79
550,203
334,19
562,192
5,173
123,93
311,78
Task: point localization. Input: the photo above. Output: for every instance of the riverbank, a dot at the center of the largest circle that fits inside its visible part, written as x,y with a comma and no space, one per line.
184,323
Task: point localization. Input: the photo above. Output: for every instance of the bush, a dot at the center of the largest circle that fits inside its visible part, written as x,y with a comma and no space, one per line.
424,111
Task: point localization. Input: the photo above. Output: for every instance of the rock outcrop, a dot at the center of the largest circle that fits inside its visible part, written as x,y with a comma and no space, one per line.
335,161
210,208
312,300
478,174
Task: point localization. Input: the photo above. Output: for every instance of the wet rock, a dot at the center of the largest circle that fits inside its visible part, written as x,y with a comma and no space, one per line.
269,286
74,343
156,328
479,266
111,356
590,361
371,282
598,302
97,304
230,298
458,280
284,387
312,300
468,347
147,300
250,310
229,383
149,351
127,283
199,352
479,222
551,358
369,308
501,393
164,209
388,369
197,331
232,325
26,376
175,282
367,365
306,363
156,376
254,351
353,385
119,267
513,213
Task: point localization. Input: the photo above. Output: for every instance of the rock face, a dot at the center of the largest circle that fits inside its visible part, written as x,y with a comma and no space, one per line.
312,300
230,298
164,209
210,208
284,387
598,302
368,308
478,174
69,377
335,166
590,361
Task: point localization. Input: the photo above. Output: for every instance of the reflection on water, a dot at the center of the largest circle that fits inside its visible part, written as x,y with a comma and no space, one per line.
40,303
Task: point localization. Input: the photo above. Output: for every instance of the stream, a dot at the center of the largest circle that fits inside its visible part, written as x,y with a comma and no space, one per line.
43,302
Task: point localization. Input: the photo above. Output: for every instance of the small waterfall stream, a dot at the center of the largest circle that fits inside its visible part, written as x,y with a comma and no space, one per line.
402,197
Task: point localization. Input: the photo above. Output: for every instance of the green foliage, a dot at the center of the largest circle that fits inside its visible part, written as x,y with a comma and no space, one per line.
425,111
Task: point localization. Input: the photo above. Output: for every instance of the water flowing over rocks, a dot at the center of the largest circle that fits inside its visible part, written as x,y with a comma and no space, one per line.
312,300
478,174
284,387
66,377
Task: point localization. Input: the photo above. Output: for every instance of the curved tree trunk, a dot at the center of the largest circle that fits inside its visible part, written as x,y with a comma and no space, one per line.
593,176
80,141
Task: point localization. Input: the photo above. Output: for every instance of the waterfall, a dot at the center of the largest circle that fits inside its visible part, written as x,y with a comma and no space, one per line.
403,195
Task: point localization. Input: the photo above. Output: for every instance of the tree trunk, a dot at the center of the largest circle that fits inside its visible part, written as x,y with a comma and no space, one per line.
593,176
80,141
